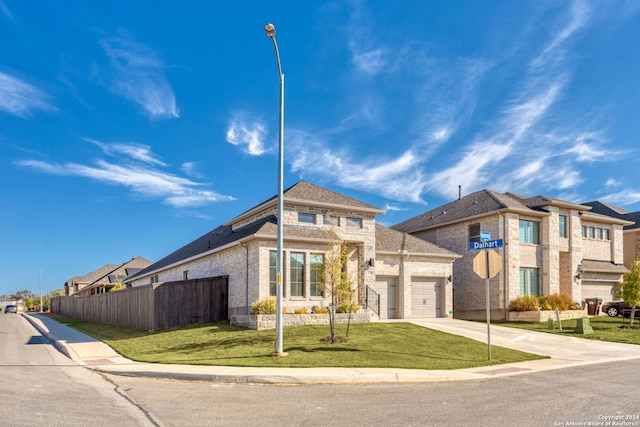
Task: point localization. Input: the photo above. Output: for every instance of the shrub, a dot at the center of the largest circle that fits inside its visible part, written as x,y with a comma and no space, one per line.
559,301
301,310
546,302
525,303
319,310
346,307
265,306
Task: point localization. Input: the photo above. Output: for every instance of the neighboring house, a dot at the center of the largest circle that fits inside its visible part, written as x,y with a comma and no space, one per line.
631,232
412,277
104,278
551,246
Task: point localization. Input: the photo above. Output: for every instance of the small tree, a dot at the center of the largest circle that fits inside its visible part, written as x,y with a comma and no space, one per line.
335,279
630,289
118,286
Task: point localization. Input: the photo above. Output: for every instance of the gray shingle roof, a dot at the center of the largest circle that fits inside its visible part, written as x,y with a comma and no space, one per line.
616,212
474,204
389,240
481,202
216,238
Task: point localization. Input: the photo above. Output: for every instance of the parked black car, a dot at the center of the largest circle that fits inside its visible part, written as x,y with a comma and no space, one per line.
11,309
617,308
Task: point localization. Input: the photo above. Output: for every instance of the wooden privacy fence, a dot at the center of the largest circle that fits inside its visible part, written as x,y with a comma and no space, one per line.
152,307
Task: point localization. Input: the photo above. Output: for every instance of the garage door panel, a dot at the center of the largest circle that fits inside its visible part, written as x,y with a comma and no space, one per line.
425,298
605,291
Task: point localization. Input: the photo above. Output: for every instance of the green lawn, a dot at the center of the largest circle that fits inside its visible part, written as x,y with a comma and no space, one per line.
614,329
381,345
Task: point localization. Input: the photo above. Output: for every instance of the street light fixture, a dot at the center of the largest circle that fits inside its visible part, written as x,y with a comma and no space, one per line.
271,33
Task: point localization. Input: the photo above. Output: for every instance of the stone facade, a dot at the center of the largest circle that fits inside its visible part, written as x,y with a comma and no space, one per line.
313,218
556,257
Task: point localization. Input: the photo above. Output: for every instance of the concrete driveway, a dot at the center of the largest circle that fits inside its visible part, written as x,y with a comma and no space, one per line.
559,348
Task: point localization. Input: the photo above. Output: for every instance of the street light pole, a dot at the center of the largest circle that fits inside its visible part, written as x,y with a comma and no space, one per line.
40,280
271,33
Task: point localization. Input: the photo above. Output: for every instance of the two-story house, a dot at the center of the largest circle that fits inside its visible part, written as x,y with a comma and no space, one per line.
631,232
412,277
551,246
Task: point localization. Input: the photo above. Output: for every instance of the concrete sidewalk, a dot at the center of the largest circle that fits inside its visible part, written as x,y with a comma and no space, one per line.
564,352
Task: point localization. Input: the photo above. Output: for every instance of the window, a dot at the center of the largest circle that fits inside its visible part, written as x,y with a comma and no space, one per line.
354,222
591,232
529,281
563,225
185,275
317,268
331,220
599,233
584,231
154,279
273,271
529,232
607,235
296,271
306,218
474,233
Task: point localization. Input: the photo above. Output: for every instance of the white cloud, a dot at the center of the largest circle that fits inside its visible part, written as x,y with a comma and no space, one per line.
250,135
138,152
612,183
5,10
138,174
398,178
137,74
579,15
19,98
625,197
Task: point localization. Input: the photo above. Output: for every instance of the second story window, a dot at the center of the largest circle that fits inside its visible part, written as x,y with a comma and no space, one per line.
563,225
529,232
607,234
354,222
331,220
474,233
306,218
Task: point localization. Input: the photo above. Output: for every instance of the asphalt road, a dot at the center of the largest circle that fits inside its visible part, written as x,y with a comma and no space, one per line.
572,396
39,386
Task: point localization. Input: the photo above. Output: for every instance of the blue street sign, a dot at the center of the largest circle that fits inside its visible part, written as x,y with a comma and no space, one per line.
485,235
486,244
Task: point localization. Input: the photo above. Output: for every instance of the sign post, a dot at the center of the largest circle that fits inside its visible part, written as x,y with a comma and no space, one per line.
485,270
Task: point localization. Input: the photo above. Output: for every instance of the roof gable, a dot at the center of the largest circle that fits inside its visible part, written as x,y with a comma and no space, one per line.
305,193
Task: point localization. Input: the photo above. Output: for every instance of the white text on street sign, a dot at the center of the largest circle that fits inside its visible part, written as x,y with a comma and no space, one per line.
486,244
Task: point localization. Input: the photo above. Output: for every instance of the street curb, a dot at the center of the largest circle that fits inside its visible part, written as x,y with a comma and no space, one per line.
60,345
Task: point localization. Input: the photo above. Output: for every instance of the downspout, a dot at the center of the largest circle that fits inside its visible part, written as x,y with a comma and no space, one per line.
246,279
505,272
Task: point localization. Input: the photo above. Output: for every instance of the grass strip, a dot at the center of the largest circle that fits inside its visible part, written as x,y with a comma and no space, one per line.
612,329
369,345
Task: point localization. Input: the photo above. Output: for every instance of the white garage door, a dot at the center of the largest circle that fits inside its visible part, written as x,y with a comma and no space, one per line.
425,297
605,291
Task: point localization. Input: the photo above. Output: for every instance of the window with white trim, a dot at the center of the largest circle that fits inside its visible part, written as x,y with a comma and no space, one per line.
296,274
529,232
529,281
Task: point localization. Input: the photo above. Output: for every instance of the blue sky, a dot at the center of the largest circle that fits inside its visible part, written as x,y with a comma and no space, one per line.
131,128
